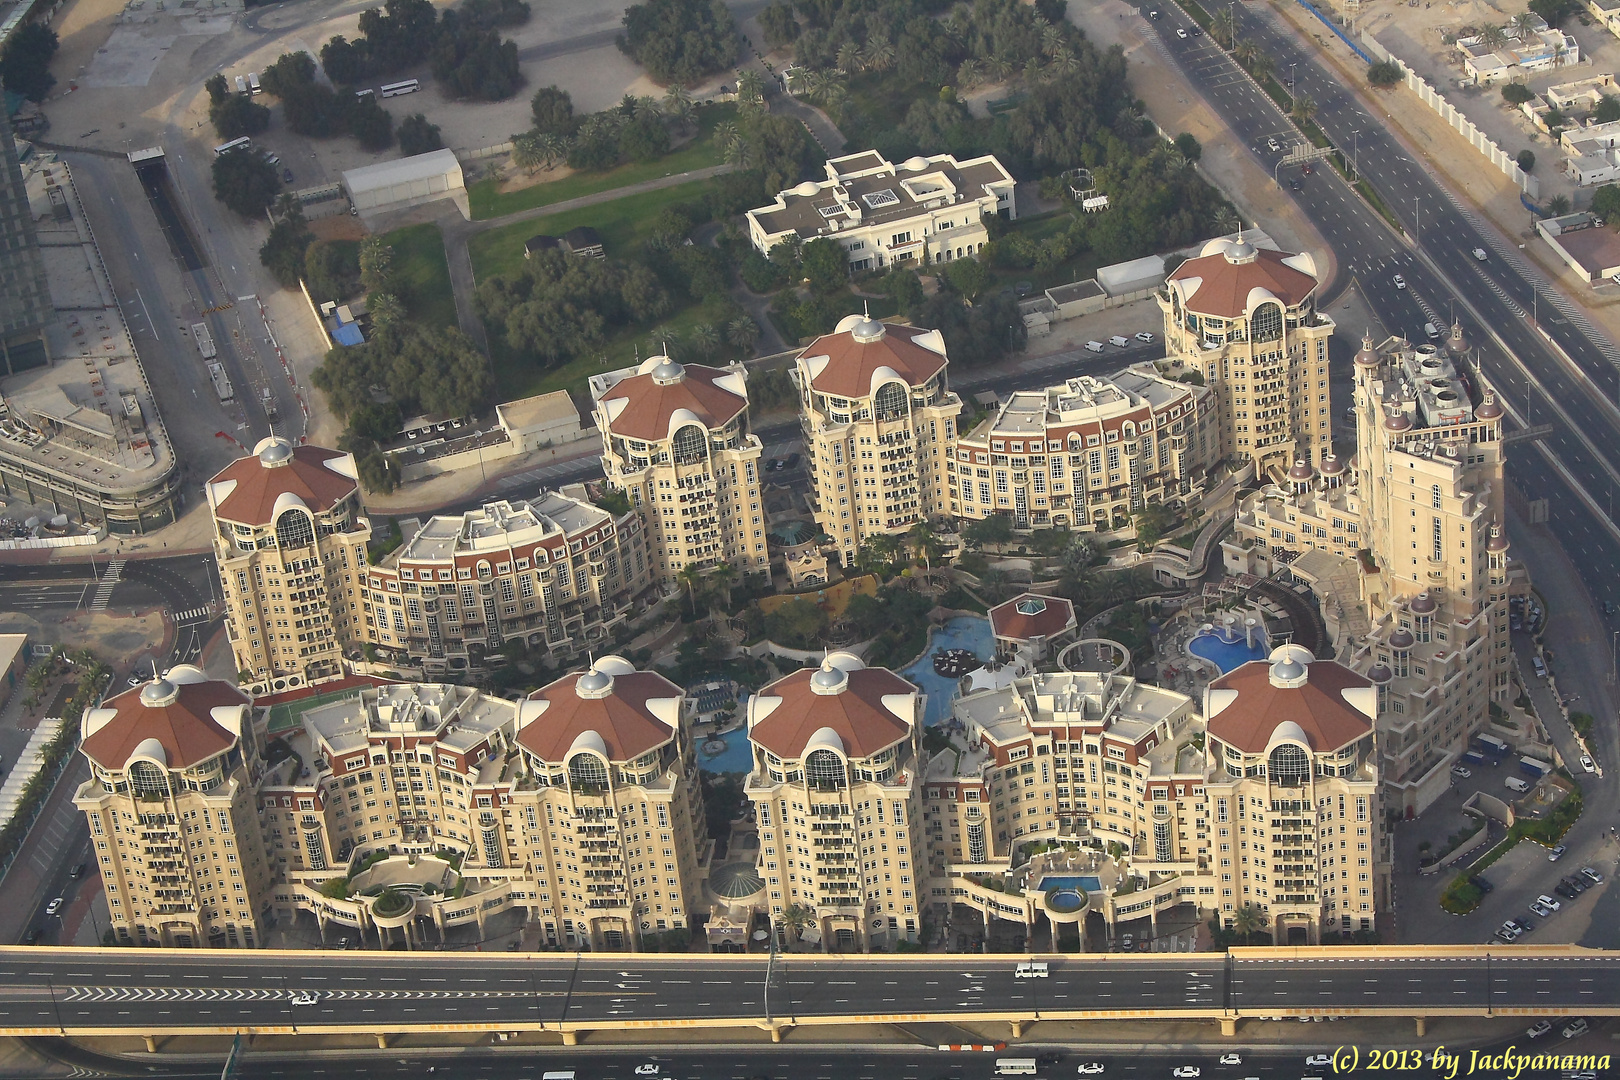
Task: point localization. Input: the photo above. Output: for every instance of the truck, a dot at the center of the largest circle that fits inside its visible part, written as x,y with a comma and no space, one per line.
1534,768
205,340
1492,745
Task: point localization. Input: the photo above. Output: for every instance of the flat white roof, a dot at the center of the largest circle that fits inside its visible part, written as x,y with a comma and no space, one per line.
404,171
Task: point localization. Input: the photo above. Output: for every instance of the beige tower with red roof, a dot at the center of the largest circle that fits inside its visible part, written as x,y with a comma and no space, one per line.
1293,792
1245,319
675,441
171,810
879,420
290,541
834,785
609,808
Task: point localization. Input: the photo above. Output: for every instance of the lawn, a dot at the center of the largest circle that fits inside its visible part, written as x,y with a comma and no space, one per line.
624,225
423,274
700,152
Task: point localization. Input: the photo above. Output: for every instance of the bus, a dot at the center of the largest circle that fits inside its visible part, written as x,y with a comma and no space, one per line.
253,83
244,143
409,86
1015,1066
362,94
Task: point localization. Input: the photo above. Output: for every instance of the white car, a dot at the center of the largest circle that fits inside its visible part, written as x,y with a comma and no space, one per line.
1091,1068
1180,33
305,997
54,906
1537,1030
1318,1059
1458,770
1588,764
1591,875
647,1070
1400,282
1231,1059
1144,336
1274,146
1547,901
1185,1072
1574,1028
1479,253
1540,909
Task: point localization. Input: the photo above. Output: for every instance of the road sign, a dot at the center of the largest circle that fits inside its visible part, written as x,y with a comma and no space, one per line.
232,1058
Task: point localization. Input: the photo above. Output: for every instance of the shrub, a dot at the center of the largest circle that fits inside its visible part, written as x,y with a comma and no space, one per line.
1516,93
417,136
1385,74
1526,160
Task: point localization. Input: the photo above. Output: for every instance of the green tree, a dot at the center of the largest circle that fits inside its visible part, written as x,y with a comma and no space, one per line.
376,262
245,182
1526,160
1558,205
680,41
824,263
1606,204
1188,146
26,59
417,136
1608,110
778,25
218,89
283,251
371,124
743,332
236,115
1516,93
969,277
925,545
1152,522
344,61
995,529
553,111
644,139
332,271
797,624
290,70
1385,74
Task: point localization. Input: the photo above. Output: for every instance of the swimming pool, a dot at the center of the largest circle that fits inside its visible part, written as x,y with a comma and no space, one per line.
1085,882
1227,655
970,632
736,757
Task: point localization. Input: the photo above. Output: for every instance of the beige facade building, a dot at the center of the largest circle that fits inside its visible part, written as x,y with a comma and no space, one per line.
879,419
926,210
1089,452
290,543
170,807
1245,319
675,440
837,795
556,573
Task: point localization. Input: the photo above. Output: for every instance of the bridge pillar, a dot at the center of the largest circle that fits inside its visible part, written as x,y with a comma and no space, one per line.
1018,1027
777,1030
1229,1025
570,1038
1422,1025
151,1043
382,1040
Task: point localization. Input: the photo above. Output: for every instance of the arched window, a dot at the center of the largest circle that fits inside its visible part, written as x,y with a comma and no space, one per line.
690,445
149,778
295,529
1267,323
587,770
824,769
1289,765
889,403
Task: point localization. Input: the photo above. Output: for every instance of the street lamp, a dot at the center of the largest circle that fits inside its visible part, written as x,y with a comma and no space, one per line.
1355,143
1291,79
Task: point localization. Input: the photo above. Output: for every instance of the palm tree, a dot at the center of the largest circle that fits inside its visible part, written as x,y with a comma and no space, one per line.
739,151
1560,56
725,133
1034,71
722,578
386,311
526,153
1248,921
884,548
1227,220
970,74
1524,24
1243,51
1128,122
552,149
743,332
879,54
1493,37
1558,206
691,575
925,545
1001,67
750,91
1064,61
1051,40
797,918
849,58
1262,65
1224,27
1303,110
704,337
678,106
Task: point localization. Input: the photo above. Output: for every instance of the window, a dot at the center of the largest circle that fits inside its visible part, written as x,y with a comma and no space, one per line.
1267,323
689,445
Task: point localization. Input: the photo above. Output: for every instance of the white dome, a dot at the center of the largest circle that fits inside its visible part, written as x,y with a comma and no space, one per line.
807,189
916,164
1287,731
826,738
148,748
848,323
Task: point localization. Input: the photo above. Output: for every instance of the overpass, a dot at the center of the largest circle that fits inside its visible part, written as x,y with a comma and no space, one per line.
151,993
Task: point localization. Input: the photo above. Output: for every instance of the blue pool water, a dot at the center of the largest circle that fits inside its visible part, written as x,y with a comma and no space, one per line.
970,632
1227,655
1086,882
736,757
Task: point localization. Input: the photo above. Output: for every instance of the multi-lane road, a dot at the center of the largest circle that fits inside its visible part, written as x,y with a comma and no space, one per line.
90,991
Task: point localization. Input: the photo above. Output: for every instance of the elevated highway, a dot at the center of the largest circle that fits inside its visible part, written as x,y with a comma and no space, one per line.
155,993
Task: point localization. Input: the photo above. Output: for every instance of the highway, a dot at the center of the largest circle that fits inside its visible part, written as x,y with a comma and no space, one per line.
131,991
1577,466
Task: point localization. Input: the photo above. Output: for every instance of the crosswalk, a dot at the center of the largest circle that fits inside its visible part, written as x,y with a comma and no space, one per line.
196,614
109,581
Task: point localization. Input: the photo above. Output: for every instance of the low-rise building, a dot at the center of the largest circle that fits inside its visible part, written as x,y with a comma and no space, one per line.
1524,52
556,573
926,210
676,442
1089,452
290,543
836,793
879,418
170,805
1033,626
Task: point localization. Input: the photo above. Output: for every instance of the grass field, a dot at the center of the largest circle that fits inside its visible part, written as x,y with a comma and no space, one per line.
423,273
700,152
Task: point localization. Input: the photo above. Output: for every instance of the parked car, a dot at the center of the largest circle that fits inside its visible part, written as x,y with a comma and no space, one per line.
1400,282
1186,1072
1557,853
1588,764
1091,1068
773,464
1482,884
1563,889
1575,1028
1458,770
1144,336
1541,909
1548,901
1524,923
1538,1029
286,176
1591,875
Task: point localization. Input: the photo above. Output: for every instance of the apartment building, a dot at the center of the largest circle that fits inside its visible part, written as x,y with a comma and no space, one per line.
556,573
170,805
1293,795
836,794
1245,319
1430,469
608,809
879,419
927,210
675,441
1087,453
290,543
